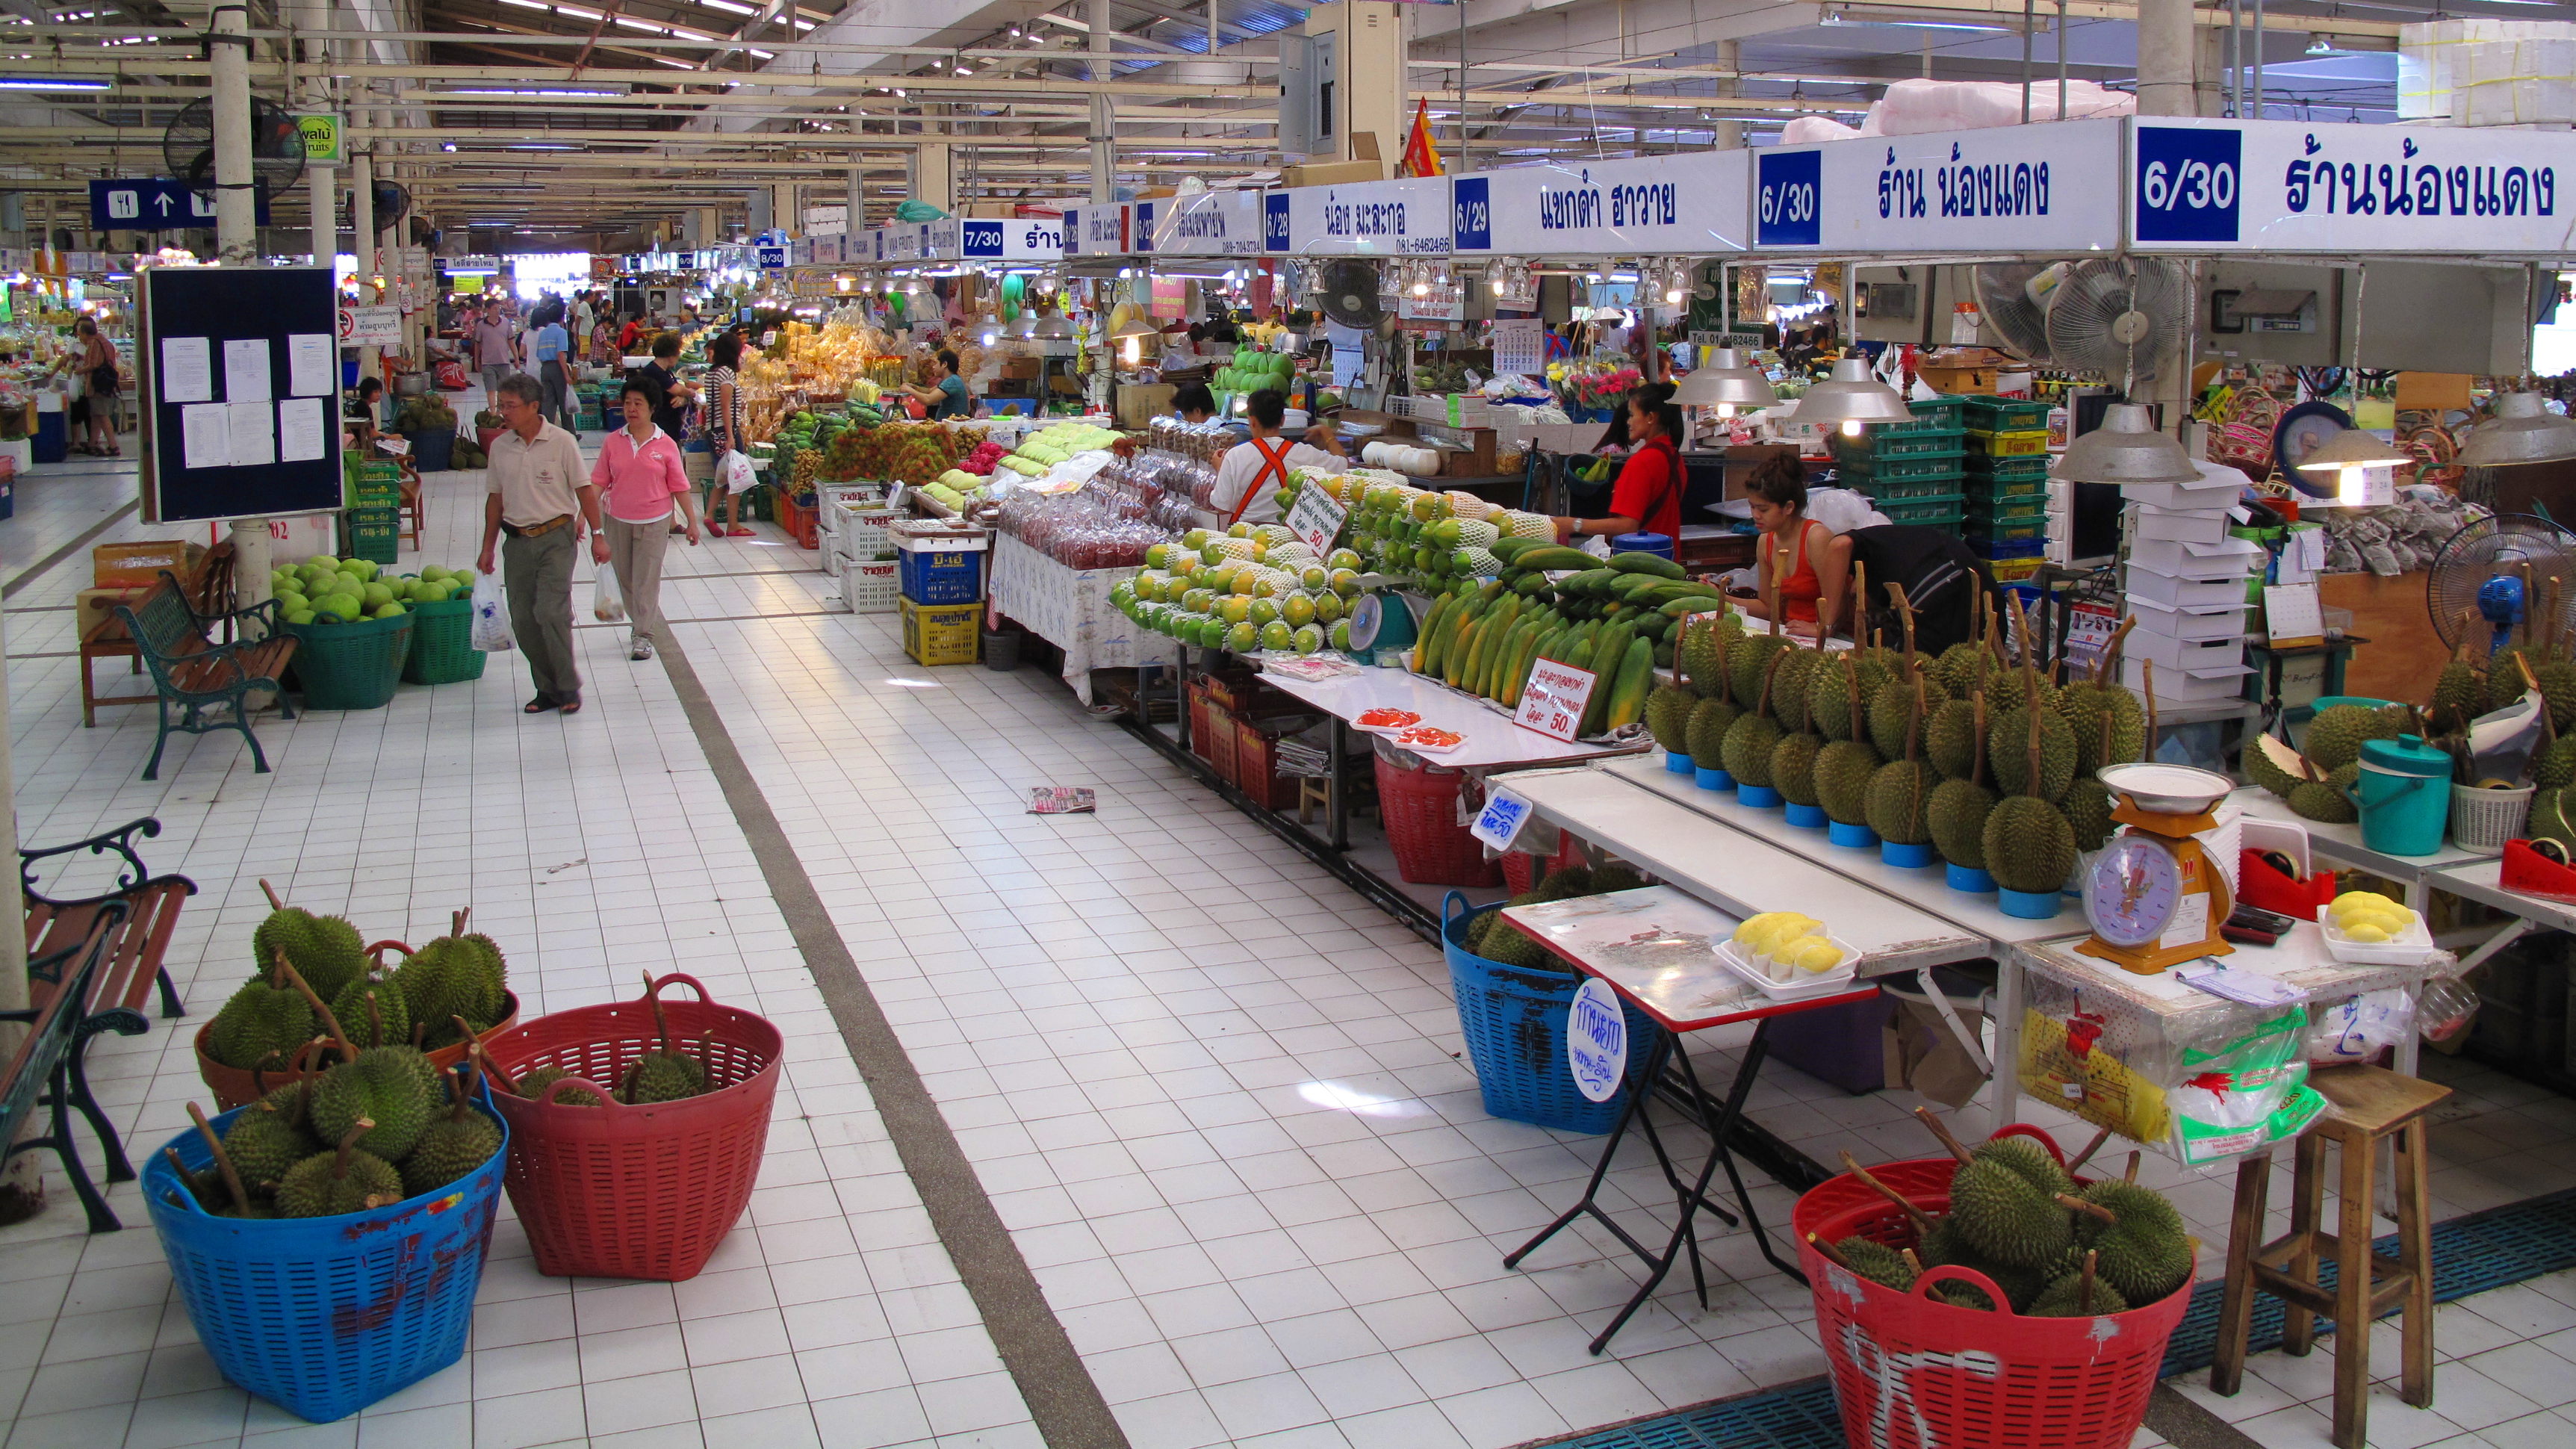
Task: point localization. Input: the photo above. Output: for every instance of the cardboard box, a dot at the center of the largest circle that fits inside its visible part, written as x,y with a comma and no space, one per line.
139,565
1020,369
1139,403
93,620
2433,391
1332,173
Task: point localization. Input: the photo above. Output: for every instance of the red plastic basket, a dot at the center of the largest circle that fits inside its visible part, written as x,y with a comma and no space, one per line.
1420,811
1520,867
614,1191
1910,1373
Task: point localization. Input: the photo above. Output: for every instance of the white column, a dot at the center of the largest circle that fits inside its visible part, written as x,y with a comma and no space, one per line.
236,205
362,235
2165,59
1104,116
1730,130
22,1178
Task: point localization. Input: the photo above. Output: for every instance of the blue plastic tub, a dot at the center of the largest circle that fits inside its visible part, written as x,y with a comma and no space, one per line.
1854,835
1679,764
1906,857
1970,881
324,1316
1514,1021
1806,817
1760,797
2030,905
1708,779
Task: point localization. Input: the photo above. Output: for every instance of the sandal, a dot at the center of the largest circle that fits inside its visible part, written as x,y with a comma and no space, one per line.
538,705
569,707
738,531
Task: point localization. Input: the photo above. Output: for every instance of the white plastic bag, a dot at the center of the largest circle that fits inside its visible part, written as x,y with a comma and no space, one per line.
491,617
735,469
607,604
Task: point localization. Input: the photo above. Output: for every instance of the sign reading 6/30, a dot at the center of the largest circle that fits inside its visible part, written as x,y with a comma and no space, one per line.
2188,183
1788,194
2199,185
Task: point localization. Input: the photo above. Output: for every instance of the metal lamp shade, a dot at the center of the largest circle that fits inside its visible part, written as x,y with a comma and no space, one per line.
1851,395
2126,449
2522,431
1054,329
2353,448
1725,380
1136,327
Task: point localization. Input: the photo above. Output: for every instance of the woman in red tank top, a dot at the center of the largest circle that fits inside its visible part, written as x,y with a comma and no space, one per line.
1648,496
1797,583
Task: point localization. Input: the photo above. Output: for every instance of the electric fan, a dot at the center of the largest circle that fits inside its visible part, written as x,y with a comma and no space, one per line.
276,148
1348,292
2122,316
2014,308
2494,574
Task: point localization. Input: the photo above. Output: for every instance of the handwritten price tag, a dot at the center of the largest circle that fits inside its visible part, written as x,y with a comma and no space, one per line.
1500,822
1552,702
1316,519
1596,1041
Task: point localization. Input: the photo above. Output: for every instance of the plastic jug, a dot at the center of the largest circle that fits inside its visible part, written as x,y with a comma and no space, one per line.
2404,796
1660,545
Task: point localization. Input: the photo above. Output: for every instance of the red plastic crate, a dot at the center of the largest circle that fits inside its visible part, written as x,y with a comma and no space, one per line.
1256,767
1202,733
801,523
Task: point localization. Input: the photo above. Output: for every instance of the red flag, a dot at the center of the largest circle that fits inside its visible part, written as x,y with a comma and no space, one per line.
1421,156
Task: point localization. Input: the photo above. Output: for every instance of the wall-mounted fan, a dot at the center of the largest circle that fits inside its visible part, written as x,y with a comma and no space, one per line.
276,148
2012,298
1347,290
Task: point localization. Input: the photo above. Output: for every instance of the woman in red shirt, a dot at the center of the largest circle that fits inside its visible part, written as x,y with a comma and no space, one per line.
1648,496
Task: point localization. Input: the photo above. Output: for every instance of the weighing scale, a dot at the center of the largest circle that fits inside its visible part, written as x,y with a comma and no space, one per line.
1383,626
2154,897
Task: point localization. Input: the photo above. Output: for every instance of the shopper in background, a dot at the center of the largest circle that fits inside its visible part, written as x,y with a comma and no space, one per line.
581,316
727,420
602,341
1648,496
1794,582
1249,477
552,352
1194,403
93,360
947,397
537,494
640,481
630,334
495,349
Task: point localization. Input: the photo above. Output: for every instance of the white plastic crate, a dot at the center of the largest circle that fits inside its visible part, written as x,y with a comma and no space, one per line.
858,530
869,587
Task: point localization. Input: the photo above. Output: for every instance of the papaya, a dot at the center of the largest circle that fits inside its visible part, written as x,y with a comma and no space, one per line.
1628,693
1426,645
1637,561
1552,557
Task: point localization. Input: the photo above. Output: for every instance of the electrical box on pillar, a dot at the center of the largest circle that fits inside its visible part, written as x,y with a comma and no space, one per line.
1342,84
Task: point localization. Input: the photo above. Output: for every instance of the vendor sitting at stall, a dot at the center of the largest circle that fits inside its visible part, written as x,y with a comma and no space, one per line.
1942,578
1648,496
1194,403
1249,477
1795,574
947,397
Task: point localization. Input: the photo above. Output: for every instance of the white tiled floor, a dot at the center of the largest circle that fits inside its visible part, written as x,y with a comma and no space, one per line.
1213,1093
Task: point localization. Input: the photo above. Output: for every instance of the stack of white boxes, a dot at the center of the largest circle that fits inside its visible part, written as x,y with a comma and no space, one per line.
853,521
2188,582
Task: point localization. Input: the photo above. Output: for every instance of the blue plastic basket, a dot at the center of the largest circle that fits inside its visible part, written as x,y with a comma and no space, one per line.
324,1316
1515,1026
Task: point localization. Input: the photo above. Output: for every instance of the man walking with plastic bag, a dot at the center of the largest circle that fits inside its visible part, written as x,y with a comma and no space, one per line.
539,496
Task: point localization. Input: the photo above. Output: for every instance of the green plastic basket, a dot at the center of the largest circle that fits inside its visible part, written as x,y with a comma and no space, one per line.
355,665
2030,468
1939,414
2017,443
2006,492
1987,530
2007,510
442,649
371,533
1866,471
1895,446
1933,511
1916,490
2004,414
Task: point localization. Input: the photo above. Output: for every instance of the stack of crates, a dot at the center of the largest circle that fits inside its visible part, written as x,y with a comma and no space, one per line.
1911,471
2007,481
373,520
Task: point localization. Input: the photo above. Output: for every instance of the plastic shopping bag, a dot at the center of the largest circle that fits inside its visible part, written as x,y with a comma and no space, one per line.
607,604
491,617
735,469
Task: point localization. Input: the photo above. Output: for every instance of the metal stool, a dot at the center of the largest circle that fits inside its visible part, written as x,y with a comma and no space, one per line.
2365,1104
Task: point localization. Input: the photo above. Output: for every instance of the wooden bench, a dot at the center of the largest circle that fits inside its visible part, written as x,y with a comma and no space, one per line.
46,1072
197,674
210,594
151,904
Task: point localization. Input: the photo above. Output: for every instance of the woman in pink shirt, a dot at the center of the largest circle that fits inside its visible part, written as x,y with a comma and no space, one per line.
640,480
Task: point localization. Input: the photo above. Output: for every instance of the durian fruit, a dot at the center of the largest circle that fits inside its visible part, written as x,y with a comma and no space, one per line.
1747,755
1876,1261
1844,767
1748,665
2549,818
455,1144
1957,667
389,1087
1959,805
268,1137
1892,709
2000,1213
2336,735
2323,799
664,1075
2109,726
1706,735
2555,769
1702,660
2028,1161
2081,1294
2144,1249
2270,761
325,950
1900,792
1789,687
2088,801
1668,712
1612,877
375,1001
1793,768
220,1189
2460,690
2029,845
1831,695
457,975
264,1021
1943,1246
2056,752
534,1084
343,1180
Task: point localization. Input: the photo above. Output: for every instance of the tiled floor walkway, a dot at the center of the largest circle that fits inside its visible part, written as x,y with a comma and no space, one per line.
1212,1093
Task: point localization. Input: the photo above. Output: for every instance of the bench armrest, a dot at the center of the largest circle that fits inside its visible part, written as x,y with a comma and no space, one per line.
120,840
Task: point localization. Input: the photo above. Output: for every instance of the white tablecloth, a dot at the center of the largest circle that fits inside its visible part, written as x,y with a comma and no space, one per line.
1070,608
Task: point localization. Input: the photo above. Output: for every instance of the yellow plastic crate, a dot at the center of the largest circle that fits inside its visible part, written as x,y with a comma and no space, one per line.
2008,445
942,633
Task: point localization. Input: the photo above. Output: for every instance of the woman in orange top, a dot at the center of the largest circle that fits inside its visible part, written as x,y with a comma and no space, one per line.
1797,582
1648,496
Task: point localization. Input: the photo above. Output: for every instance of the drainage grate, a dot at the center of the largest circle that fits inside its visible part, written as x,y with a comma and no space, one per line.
2471,1254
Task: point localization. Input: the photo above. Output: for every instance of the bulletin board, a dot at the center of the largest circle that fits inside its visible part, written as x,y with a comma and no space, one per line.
240,372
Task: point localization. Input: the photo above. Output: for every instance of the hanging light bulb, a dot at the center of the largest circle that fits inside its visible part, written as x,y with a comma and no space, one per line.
2126,448
2522,430
2350,455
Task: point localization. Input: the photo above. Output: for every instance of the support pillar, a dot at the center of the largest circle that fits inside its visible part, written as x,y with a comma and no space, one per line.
1104,116
934,178
362,239
2165,53
1730,131
854,187
236,203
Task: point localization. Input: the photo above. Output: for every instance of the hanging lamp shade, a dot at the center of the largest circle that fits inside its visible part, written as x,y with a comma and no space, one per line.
2523,430
1136,327
1022,327
2126,449
1725,382
1852,397
2353,448
1053,329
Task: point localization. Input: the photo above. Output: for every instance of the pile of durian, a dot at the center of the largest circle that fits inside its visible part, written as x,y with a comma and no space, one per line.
1503,943
2314,778
458,977
1944,750
666,1075
2017,1217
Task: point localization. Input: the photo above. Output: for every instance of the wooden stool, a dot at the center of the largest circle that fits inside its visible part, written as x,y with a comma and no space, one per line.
2364,1104
1313,794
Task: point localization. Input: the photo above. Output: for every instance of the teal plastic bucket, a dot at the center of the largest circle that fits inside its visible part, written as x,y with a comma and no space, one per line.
2404,796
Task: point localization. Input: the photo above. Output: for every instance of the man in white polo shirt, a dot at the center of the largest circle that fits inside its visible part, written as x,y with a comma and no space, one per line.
541,496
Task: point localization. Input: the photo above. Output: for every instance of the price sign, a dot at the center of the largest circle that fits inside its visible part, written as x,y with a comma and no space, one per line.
1500,822
1552,702
1596,1041
1316,519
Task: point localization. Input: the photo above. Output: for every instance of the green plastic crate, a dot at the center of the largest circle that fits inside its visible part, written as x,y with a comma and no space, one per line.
2031,467
1991,531
1866,471
2015,509
2027,443
1933,511
1885,446
442,648
1887,491
370,533
2003,414
1939,414
2005,492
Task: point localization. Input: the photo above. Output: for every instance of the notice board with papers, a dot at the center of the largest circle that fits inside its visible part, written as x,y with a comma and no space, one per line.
240,373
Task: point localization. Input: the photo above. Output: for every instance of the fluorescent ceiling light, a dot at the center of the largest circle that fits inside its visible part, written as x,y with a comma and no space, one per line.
30,83
1836,17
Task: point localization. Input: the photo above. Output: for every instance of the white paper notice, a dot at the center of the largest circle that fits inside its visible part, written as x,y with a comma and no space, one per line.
206,436
254,433
246,370
300,438
187,370
310,359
